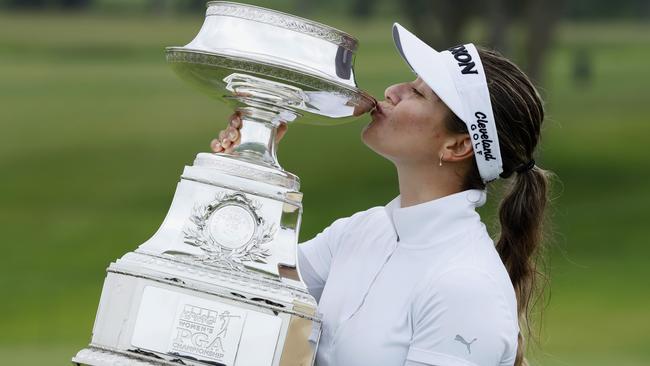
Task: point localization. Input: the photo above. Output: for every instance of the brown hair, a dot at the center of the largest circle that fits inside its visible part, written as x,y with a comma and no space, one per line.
518,113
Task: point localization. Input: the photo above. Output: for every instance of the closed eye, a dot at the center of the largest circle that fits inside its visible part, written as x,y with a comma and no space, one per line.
417,92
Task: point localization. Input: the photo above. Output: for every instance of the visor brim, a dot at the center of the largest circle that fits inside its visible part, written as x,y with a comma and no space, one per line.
429,65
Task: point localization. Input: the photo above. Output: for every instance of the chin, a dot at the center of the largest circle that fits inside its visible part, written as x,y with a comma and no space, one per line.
368,134
372,139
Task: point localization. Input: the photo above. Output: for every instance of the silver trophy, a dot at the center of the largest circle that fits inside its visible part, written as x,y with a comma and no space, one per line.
218,283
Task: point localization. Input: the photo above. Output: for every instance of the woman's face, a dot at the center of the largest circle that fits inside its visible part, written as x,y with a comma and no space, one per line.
409,125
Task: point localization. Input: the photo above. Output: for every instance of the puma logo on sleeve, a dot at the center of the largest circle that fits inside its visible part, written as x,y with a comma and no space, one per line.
462,340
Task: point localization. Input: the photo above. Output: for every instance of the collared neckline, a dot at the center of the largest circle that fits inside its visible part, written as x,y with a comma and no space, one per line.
429,223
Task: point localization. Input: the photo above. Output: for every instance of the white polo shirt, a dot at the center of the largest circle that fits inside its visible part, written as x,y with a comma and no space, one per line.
438,295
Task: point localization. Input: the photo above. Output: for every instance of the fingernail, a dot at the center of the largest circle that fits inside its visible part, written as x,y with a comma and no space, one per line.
215,144
232,135
225,143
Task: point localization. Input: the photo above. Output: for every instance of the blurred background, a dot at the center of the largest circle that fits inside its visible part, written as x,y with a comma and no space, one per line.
95,130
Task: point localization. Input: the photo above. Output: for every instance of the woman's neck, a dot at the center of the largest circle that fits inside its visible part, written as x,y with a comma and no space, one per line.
420,183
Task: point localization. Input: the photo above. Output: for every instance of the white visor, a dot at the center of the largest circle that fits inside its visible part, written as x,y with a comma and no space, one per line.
456,76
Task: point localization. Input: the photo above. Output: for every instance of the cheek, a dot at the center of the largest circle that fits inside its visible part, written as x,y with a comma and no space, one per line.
408,132
414,130
413,124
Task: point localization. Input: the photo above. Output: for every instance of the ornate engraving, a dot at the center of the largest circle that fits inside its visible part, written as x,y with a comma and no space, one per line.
179,55
230,231
277,19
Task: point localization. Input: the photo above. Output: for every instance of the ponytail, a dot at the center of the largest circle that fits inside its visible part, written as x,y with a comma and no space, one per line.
521,214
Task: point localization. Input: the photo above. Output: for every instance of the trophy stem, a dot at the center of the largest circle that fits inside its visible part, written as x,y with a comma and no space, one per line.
258,142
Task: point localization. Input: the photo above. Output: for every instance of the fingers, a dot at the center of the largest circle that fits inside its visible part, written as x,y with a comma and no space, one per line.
235,120
229,138
215,145
281,130
222,138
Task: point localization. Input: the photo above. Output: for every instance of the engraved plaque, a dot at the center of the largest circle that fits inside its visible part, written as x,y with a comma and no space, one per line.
232,226
230,231
211,333
199,328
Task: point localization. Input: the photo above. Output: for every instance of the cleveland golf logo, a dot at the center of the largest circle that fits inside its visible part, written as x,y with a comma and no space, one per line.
479,131
467,344
464,59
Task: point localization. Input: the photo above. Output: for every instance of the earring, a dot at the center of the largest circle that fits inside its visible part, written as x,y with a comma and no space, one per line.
440,162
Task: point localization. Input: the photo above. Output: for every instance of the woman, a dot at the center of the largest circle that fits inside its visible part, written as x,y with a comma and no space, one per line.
419,281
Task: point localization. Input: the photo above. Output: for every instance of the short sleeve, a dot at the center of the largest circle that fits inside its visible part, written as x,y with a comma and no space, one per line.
315,256
462,318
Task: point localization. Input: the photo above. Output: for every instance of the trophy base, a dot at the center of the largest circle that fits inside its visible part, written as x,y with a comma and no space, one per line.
157,310
95,356
218,284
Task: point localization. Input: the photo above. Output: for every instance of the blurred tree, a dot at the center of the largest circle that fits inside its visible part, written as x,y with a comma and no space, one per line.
440,23
157,6
605,9
499,14
542,18
26,3
75,4
191,6
65,4
362,8
198,5
305,7
582,71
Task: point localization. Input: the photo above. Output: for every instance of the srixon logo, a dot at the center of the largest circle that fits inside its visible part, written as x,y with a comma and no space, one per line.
482,141
464,59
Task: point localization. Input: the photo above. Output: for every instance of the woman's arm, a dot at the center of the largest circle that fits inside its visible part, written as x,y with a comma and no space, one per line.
315,256
315,283
462,319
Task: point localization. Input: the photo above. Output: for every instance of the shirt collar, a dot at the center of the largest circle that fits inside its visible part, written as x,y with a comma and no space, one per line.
431,222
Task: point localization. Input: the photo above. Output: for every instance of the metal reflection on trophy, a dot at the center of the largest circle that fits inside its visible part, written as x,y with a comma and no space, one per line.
218,283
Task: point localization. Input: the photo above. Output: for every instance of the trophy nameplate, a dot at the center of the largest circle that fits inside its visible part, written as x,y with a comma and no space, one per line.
219,283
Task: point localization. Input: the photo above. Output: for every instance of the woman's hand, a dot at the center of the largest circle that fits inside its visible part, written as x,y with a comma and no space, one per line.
230,137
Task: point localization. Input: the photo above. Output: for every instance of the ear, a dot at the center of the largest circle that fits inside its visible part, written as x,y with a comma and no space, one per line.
457,147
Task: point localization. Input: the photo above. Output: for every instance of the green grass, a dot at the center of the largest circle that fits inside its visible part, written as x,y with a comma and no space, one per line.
95,129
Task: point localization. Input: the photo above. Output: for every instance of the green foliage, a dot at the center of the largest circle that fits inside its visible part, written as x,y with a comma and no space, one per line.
95,129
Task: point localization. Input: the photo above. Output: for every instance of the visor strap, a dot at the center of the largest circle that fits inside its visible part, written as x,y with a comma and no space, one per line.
464,64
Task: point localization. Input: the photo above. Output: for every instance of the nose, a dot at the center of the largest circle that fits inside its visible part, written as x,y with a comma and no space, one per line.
391,94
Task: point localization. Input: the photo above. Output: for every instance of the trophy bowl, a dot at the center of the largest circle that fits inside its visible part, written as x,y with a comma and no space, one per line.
271,67
219,281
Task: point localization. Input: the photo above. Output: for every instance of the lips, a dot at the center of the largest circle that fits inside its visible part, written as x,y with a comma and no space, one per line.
379,109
